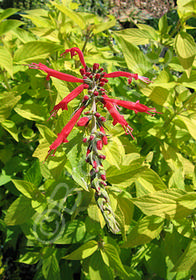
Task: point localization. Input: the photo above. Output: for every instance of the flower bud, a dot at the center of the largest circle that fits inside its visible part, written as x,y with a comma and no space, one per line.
96,93
88,152
94,164
101,84
84,140
103,177
102,156
105,140
101,69
99,145
95,66
82,71
83,121
92,137
97,76
103,183
86,86
86,97
103,119
97,115
87,113
104,80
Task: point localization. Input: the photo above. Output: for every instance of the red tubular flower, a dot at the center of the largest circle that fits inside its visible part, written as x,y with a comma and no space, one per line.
63,104
56,74
117,118
83,121
62,136
73,52
127,75
135,106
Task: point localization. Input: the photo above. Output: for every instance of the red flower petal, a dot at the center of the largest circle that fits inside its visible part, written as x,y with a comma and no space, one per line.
135,106
117,118
56,74
63,104
62,136
73,52
127,75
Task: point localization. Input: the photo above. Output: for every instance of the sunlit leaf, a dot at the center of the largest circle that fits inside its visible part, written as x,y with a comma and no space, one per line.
144,231
83,251
19,212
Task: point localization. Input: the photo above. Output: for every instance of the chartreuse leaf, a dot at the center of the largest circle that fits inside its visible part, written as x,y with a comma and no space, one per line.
190,123
124,208
186,50
33,174
76,17
188,200
41,151
95,214
7,13
11,128
150,30
50,268
188,259
162,204
97,268
114,152
74,232
83,251
159,95
29,190
188,82
135,36
6,61
75,153
111,258
144,231
23,35
35,50
30,258
9,24
186,9
148,181
100,27
135,59
30,111
185,227
46,133
19,211
7,102
125,175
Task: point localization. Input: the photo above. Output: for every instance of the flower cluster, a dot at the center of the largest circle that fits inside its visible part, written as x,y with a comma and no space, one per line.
93,79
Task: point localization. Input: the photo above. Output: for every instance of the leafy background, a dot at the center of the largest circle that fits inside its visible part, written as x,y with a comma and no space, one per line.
50,225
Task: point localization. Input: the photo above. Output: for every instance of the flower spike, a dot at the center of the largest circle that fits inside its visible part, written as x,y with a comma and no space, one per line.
75,51
94,79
